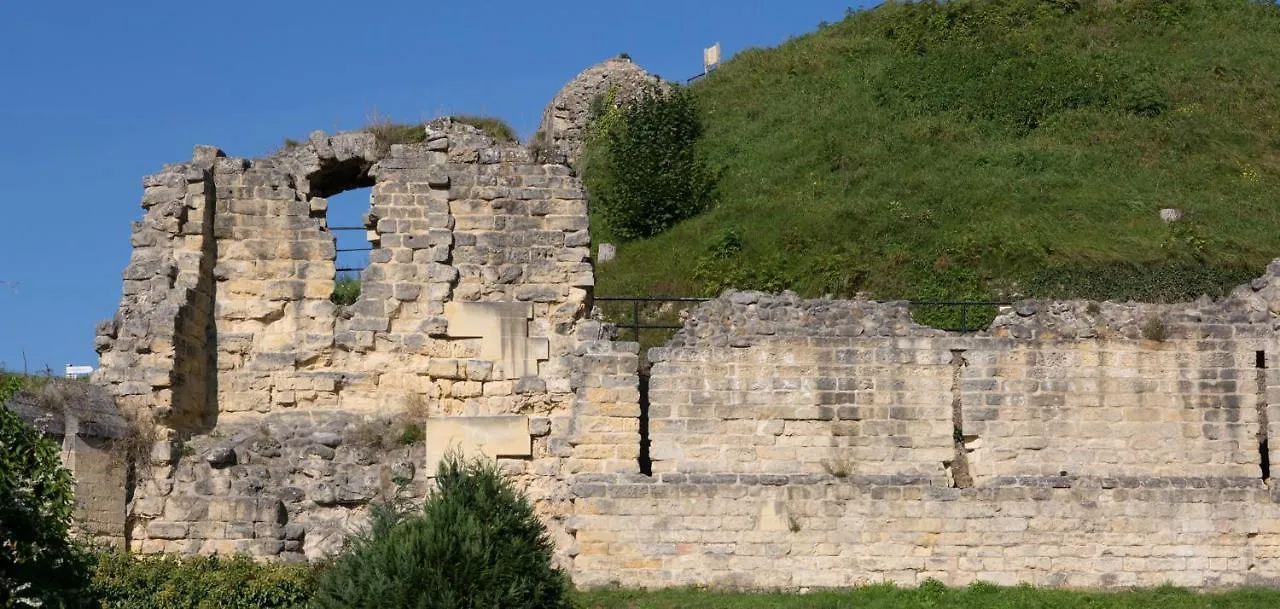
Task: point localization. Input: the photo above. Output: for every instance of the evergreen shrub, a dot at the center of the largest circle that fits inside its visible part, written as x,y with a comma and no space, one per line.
475,543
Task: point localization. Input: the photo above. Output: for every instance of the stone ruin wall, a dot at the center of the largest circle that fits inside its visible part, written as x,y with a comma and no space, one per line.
566,120
830,443
279,414
792,443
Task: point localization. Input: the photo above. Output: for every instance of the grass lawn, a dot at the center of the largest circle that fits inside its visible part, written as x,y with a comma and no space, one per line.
930,596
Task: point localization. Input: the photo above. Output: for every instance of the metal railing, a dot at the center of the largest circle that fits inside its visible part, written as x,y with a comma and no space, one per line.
350,269
636,326
964,306
636,322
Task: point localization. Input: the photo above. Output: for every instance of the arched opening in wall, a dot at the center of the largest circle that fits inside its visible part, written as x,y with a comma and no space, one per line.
345,218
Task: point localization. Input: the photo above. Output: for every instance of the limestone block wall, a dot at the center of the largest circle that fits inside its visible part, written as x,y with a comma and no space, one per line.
813,531
153,353
464,330
828,443
1115,407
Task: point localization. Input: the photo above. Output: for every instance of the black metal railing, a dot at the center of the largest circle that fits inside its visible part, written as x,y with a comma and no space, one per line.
350,269
964,307
962,316
634,311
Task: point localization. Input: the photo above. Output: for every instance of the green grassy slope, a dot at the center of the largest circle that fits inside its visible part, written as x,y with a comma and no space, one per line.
1000,148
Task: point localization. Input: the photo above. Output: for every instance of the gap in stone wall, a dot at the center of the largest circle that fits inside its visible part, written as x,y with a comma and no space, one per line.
1264,451
347,210
646,461
958,467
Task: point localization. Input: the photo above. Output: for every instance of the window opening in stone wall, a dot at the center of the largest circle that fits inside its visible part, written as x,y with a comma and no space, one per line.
646,461
346,220
1264,450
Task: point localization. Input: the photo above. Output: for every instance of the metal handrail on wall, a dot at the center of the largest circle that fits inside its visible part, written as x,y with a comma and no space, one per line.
350,269
636,326
964,310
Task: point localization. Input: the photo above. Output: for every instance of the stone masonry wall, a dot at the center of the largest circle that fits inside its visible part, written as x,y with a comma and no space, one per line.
829,443
279,414
565,122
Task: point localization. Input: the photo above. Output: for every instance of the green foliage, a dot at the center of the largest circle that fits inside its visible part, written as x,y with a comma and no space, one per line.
346,289
410,434
931,594
10,384
476,543
1171,282
39,563
642,167
987,150
495,128
1153,328
200,582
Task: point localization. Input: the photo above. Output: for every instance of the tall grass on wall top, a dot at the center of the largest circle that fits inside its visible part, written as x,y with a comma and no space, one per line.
476,543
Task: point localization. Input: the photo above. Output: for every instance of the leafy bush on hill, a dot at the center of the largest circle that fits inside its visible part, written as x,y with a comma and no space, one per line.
641,165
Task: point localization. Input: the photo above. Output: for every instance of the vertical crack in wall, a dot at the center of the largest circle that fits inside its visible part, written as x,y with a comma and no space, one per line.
646,462
207,287
958,466
1264,451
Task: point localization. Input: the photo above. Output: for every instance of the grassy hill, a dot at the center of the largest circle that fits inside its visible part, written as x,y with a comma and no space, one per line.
993,149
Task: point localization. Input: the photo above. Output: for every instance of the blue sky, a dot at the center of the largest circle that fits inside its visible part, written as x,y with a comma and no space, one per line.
95,95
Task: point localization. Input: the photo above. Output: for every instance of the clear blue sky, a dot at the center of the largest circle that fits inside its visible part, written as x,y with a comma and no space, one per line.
96,95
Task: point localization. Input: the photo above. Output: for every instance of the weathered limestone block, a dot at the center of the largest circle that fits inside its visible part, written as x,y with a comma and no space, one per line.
503,328
492,436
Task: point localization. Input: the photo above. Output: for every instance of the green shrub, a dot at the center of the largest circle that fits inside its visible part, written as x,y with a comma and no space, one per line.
410,434
495,128
200,582
346,290
39,563
1153,328
477,543
642,168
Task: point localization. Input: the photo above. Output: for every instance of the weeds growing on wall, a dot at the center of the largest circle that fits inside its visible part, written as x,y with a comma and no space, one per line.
495,128
388,132
346,289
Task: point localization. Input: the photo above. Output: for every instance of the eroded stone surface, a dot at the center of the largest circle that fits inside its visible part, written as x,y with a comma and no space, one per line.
565,120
